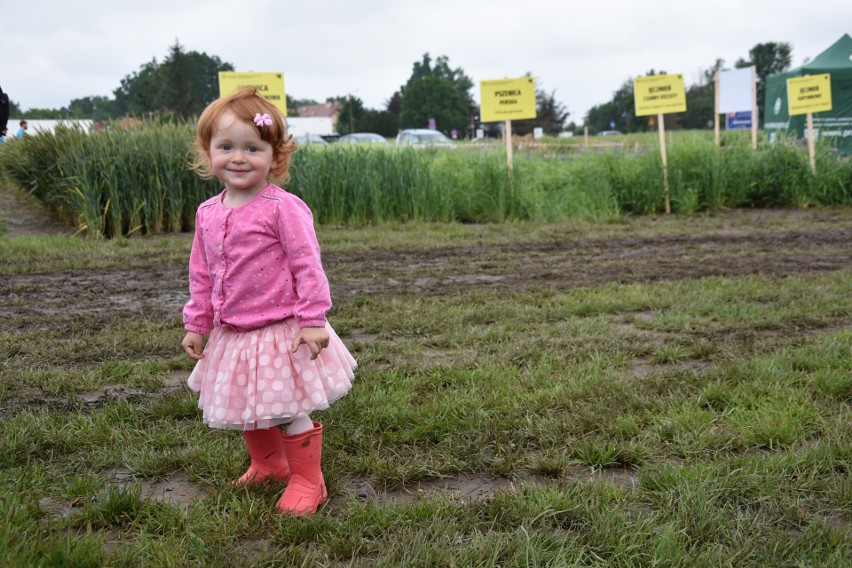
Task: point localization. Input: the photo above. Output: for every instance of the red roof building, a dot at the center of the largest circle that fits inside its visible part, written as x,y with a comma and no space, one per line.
330,110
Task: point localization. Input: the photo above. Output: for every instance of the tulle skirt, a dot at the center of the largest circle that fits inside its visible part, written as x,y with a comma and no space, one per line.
252,380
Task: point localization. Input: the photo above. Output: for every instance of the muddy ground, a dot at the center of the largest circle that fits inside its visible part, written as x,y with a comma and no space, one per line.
736,250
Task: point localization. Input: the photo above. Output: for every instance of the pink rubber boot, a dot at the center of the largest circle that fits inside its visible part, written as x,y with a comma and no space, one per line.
268,461
306,488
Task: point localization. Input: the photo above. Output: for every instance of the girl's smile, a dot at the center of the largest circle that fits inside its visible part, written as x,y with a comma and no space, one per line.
240,158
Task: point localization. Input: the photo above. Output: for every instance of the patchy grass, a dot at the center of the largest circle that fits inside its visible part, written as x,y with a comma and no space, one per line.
690,422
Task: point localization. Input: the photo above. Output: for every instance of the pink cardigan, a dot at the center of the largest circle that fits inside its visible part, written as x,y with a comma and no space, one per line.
255,265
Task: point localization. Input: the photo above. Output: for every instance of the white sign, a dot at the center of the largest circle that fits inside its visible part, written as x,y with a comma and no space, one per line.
734,90
301,125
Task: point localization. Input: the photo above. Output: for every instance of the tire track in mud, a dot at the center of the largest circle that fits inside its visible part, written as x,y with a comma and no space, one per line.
562,265
160,291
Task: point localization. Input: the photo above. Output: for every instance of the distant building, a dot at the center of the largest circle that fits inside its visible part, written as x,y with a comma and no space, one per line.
302,126
324,110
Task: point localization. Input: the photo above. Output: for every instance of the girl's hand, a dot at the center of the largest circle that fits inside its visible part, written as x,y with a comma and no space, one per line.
316,338
192,344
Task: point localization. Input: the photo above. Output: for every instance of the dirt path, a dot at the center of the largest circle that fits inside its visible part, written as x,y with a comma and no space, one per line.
560,265
22,217
737,250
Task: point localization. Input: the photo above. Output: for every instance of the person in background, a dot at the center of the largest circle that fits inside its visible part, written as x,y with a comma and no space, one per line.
257,286
3,134
4,111
22,131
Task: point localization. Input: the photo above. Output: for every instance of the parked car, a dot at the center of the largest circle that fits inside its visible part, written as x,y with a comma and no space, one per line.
422,138
610,133
363,138
309,140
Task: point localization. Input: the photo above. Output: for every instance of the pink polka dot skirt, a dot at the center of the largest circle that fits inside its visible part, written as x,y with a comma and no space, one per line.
252,380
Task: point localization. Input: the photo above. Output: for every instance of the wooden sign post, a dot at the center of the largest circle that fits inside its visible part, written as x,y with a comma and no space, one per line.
754,118
660,94
716,111
809,120
507,134
663,154
807,95
507,100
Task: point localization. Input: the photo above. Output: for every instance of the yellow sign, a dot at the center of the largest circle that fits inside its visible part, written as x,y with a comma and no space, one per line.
507,99
811,93
659,94
270,85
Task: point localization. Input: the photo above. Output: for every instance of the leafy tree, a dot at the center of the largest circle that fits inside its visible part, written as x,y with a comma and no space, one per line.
550,115
293,104
15,109
441,70
700,104
139,91
432,97
45,114
701,100
354,117
768,59
379,121
394,104
183,84
351,111
96,108
621,110
444,91
573,127
189,81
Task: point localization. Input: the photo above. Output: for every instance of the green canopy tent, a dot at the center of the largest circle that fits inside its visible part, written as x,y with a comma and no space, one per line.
834,125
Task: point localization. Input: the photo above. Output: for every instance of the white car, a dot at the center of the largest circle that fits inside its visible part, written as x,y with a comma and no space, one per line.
422,138
309,140
363,138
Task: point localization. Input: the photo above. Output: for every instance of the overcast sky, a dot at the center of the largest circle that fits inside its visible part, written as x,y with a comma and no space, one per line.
54,51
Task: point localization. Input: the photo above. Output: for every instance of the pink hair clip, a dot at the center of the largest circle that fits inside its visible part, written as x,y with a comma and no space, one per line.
262,121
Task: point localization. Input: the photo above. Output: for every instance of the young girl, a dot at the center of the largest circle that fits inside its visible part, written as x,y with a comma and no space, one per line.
256,281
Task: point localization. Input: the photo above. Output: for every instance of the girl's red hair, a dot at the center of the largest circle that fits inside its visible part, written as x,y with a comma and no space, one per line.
245,104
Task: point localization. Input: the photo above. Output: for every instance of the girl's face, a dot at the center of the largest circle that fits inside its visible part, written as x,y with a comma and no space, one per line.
238,156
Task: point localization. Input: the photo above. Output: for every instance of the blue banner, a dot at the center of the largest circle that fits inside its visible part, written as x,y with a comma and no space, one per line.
738,120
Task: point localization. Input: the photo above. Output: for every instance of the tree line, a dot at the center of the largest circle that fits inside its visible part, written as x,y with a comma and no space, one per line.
184,82
620,112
